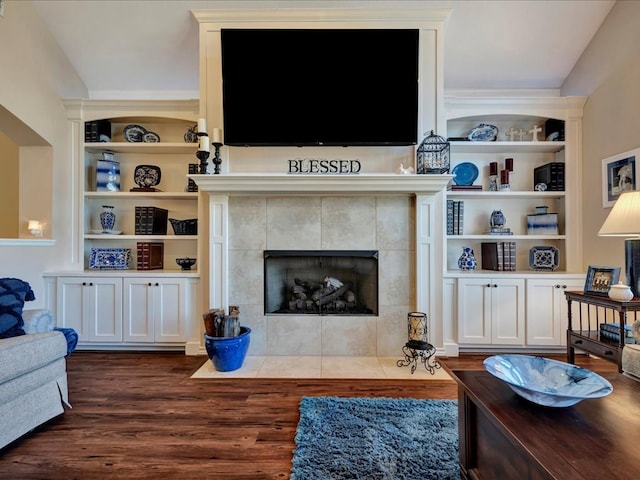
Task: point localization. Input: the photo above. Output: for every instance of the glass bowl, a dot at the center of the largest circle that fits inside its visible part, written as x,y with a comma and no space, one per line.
545,381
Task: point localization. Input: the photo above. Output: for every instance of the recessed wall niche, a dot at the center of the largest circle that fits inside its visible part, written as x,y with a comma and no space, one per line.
26,186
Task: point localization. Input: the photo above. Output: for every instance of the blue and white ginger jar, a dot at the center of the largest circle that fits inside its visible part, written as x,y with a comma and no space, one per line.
467,260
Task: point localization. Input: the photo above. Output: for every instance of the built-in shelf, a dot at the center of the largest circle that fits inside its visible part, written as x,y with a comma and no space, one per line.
97,236
142,147
507,147
144,195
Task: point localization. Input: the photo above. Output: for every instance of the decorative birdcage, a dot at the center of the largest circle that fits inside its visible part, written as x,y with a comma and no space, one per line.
433,155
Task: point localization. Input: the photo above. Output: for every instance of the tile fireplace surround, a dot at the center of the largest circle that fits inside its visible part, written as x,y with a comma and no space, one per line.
394,214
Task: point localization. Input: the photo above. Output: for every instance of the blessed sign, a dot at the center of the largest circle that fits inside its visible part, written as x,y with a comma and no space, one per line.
322,166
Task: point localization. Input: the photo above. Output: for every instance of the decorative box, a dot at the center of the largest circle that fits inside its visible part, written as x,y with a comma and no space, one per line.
107,176
542,224
110,258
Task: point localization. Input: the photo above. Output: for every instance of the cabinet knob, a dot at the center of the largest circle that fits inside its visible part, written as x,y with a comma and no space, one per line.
149,284
488,285
84,284
557,286
91,284
157,284
495,286
564,286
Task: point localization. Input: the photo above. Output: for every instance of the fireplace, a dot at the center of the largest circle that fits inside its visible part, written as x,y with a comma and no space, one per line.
321,282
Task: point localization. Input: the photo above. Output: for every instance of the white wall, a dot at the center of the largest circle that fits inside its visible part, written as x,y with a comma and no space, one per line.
611,122
35,73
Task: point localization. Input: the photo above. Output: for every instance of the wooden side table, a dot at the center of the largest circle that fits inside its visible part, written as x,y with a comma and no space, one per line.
583,333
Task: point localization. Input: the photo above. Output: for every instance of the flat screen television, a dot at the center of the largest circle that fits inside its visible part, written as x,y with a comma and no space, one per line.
320,87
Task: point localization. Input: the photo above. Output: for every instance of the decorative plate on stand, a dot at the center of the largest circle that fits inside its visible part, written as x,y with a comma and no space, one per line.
483,133
134,133
465,173
543,258
147,176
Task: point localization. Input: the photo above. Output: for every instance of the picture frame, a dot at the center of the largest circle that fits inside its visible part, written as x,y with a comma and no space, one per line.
618,176
600,279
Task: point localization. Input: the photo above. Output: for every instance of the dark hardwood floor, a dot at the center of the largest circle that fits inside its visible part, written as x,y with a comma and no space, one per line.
140,416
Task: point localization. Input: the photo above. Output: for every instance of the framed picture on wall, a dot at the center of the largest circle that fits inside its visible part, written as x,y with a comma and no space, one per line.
600,279
618,176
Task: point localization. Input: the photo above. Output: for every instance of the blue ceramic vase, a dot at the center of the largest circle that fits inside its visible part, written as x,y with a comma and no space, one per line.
107,218
467,260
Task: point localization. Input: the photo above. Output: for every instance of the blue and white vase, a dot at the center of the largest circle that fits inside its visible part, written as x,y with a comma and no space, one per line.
467,260
107,218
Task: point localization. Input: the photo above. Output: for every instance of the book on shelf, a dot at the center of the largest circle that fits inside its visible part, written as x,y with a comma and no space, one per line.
455,217
97,131
449,217
551,174
464,187
611,331
500,231
151,220
150,255
499,256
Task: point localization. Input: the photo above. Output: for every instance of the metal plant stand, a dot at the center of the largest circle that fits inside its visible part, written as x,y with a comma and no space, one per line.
415,350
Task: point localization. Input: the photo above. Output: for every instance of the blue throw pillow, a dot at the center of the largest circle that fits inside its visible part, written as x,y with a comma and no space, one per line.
13,294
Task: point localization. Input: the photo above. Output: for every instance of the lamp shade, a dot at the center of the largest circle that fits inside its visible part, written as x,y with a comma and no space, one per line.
624,218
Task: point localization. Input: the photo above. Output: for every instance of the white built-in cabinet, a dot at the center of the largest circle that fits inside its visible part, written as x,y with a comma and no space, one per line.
154,310
547,309
92,306
130,307
491,311
521,309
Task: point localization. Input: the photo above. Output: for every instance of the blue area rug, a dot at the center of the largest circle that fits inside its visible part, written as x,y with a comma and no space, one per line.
376,438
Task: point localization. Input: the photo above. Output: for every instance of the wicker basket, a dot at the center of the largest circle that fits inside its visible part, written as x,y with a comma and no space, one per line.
184,227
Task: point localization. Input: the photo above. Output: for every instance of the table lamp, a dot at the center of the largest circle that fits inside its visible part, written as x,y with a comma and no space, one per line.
624,221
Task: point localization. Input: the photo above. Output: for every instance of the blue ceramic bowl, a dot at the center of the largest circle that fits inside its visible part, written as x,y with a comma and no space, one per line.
228,353
547,382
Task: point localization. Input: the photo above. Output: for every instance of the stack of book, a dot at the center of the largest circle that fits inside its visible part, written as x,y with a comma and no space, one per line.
97,131
500,231
500,256
151,221
150,255
455,217
551,174
611,331
464,187
192,186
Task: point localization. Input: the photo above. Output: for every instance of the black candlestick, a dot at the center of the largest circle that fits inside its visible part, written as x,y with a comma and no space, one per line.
203,157
217,161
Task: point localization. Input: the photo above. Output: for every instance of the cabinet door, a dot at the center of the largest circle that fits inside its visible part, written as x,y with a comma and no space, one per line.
169,310
547,310
474,310
70,305
507,311
92,306
138,309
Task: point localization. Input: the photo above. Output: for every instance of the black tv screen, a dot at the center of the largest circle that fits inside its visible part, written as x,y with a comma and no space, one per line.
333,87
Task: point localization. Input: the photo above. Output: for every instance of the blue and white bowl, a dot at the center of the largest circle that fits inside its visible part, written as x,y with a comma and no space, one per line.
547,382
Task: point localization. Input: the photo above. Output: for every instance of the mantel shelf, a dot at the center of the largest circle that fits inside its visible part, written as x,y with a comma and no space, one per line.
367,184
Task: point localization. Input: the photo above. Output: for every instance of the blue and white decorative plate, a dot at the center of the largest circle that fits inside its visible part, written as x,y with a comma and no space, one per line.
151,137
483,133
134,133
465,173
547,382
110,258
543,258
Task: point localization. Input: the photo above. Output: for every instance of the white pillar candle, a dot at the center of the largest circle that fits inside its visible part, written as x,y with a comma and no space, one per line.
202,125
217,135
203,145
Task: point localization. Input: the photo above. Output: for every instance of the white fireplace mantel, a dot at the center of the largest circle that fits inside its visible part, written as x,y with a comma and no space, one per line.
425,189
294,184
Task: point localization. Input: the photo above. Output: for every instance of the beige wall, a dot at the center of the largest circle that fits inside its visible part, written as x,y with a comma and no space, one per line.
611,124
34,75
9,194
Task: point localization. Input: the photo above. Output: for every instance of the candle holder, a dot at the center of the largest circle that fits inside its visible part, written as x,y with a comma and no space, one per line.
217,161
203,153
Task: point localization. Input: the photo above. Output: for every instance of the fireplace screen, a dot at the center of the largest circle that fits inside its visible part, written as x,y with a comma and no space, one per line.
321,282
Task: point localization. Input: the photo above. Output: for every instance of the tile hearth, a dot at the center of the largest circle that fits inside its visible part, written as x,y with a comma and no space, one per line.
322,367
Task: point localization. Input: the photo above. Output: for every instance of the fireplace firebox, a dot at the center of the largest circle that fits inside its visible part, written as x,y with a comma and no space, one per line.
321,282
